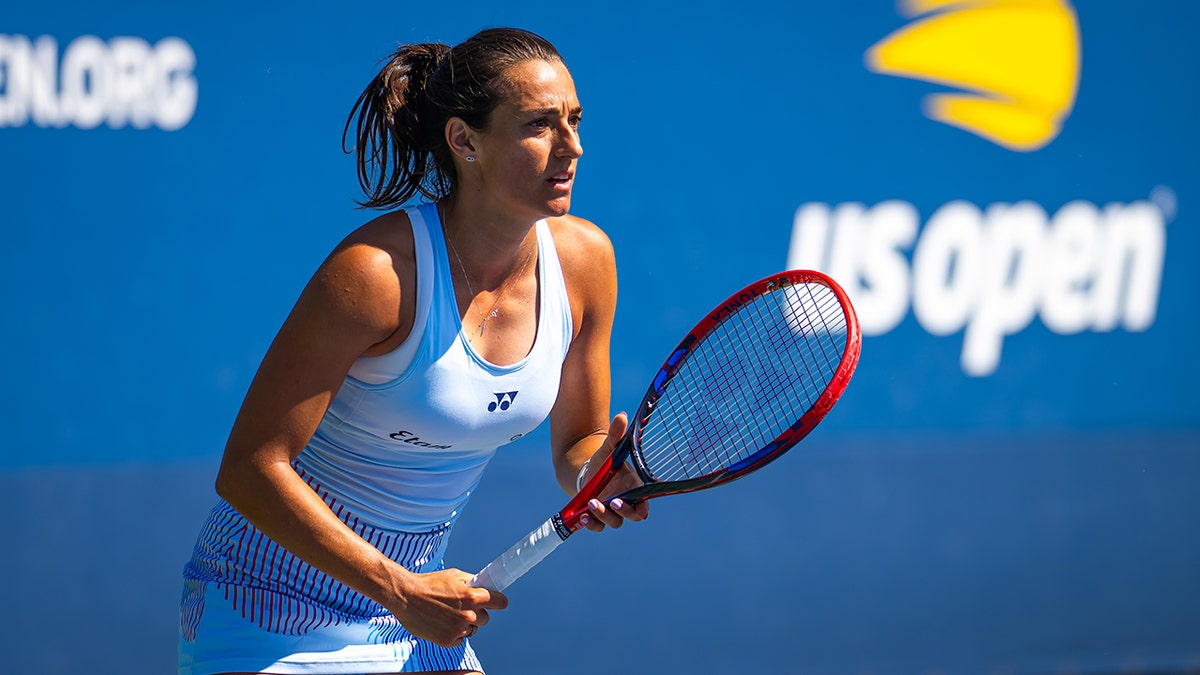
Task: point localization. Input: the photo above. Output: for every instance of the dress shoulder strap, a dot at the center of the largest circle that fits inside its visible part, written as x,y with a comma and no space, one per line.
388,367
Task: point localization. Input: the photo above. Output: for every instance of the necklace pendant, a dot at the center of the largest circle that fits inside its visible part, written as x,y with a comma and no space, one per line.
483,324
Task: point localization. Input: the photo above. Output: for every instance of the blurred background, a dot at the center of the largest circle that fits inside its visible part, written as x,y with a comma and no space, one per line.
1011,483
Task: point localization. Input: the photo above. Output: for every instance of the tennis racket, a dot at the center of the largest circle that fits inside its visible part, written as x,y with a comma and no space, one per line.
754,377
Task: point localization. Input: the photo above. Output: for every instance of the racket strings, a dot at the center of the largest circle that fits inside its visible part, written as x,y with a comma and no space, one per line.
748,381
713,441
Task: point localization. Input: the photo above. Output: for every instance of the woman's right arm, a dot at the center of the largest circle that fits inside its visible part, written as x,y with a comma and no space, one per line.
351,304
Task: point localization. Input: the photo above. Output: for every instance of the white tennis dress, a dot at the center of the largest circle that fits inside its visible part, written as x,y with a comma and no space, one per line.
396,457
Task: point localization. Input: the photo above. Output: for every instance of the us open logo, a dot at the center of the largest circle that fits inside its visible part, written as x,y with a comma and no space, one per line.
1012,66
504,401
989,270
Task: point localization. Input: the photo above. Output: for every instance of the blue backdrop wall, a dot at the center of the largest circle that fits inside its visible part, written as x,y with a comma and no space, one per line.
1007,189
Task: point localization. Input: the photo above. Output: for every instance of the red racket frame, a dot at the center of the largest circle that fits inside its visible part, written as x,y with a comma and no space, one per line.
571,514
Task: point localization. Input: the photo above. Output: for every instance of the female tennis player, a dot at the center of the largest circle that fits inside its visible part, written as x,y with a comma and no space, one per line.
430,337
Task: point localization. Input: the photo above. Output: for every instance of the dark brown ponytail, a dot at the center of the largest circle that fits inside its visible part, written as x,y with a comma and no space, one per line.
396,132
399,120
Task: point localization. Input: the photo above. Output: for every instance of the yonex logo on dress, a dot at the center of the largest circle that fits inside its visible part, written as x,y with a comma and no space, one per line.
503,401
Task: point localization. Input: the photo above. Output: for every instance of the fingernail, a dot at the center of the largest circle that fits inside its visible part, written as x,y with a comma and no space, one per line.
617,503
585,520
595,504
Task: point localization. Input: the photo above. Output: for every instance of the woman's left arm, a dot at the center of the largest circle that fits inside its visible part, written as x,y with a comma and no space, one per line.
580,428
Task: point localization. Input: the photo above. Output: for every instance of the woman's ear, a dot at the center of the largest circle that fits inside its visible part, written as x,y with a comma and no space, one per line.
461,139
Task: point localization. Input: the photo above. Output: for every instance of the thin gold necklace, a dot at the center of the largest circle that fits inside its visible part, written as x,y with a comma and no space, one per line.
495,309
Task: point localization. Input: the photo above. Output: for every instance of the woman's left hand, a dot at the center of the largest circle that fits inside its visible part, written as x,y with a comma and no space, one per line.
603,512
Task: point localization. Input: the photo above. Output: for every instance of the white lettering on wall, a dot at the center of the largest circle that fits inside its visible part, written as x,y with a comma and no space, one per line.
989,272
125,81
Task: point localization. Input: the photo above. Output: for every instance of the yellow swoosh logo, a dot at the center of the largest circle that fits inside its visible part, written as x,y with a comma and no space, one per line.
1014,62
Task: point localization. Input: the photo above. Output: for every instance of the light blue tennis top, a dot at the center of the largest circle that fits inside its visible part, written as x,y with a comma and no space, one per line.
407,437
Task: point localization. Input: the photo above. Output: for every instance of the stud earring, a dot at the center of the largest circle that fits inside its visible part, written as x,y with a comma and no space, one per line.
470,158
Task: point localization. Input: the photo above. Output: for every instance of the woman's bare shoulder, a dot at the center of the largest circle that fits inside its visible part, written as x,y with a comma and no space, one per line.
369,274
577,239
388,232
589,268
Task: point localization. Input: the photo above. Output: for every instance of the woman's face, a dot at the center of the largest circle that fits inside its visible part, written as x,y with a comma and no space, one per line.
526,158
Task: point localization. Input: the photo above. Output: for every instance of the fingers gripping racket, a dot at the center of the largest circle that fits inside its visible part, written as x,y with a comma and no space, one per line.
745,385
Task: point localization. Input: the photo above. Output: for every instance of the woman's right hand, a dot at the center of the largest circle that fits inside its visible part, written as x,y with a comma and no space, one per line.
614,513
441,607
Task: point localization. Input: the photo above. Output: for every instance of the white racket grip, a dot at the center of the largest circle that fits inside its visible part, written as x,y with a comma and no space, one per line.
522,557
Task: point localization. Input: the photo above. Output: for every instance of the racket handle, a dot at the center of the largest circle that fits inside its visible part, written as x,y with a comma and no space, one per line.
522,557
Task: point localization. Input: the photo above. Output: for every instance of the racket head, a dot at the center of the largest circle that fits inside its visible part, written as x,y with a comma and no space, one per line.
749,381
